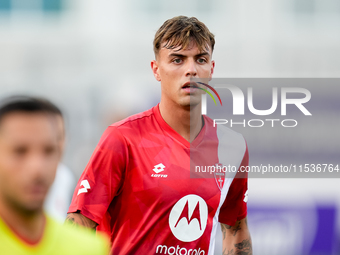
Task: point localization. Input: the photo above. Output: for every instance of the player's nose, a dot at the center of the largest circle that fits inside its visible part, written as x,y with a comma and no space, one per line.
191,70
36,166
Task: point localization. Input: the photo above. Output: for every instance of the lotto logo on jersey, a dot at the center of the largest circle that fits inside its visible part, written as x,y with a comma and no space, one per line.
85,187
158,169
188,218
245,197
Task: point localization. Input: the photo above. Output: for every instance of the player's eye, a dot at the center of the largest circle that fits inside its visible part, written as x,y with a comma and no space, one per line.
50,150
20,151
201,60
177,60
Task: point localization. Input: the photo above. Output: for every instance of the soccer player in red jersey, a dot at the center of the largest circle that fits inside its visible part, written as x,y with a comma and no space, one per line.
139,185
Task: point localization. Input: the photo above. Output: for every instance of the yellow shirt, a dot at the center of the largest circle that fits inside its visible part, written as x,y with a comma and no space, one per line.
57,240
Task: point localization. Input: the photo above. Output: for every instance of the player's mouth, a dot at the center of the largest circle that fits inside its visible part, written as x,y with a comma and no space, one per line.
190,87
37,190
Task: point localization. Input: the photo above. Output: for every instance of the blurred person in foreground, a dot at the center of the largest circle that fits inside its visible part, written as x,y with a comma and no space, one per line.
29,155
138,185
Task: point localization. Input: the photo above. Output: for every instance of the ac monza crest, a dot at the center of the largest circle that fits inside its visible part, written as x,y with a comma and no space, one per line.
219,176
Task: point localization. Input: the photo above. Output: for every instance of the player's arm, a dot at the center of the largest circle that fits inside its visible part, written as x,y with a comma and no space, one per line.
78,219
236,239
101,180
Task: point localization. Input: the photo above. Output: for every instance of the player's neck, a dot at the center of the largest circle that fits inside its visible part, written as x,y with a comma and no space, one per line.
27,226
186,121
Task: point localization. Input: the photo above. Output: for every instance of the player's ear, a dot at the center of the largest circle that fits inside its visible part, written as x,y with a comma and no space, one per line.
212,69
155,70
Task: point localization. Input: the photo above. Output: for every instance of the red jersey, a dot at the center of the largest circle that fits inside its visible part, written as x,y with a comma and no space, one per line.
144,186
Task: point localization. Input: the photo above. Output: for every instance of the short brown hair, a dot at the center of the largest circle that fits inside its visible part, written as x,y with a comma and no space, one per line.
181,31
27,104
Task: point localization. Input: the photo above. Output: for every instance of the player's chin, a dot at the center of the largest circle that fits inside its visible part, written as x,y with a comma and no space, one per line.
190,100
28,205
195,100
34,202
34,206
189,103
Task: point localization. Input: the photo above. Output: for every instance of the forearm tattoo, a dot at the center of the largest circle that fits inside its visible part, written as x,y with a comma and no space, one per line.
224,228
236,228
70,220
242,248
231,252
79,219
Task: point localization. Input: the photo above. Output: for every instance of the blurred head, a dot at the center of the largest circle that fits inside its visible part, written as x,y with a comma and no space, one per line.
60,129
31,140
183,49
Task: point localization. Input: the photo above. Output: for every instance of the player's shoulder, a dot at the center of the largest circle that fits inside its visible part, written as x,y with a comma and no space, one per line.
77,240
